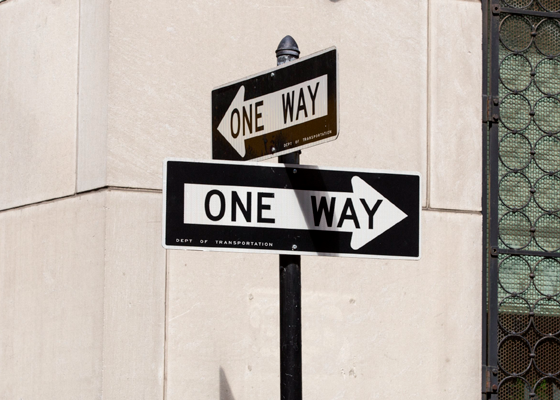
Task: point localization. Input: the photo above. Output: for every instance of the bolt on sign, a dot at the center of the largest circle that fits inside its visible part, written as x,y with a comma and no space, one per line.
290,209
276,112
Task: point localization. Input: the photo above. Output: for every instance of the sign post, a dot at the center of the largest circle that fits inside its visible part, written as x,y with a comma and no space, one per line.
291,387
286,208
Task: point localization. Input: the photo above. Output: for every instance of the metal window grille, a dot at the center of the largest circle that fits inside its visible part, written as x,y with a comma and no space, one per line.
521,132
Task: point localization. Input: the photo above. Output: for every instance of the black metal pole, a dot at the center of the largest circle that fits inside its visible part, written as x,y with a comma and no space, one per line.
290,328
290,282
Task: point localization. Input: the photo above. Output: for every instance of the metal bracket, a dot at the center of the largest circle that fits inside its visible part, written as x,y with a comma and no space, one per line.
488,372
495,109
490,112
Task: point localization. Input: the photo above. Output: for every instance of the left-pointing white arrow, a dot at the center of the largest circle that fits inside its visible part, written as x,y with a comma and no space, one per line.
272,112
365,212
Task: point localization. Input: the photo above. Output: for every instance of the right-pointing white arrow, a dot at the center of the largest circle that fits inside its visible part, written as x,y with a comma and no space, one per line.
385,217
272,112
365,212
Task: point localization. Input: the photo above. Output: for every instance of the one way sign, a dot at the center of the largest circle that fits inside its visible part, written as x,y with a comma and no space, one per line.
291,209
279,111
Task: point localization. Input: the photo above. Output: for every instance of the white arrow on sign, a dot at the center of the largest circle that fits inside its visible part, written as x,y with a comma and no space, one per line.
365,212
272,112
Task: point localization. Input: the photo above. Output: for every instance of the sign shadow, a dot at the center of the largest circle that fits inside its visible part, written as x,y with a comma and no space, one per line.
309,217
225,389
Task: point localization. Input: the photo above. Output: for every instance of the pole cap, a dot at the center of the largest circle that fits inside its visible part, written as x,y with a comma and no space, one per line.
287,47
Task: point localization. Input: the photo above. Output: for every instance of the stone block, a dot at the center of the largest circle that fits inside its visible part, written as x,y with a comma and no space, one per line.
404,327
91,167
134,317
82,284
52,277
38,100
165,61
370,327
455,114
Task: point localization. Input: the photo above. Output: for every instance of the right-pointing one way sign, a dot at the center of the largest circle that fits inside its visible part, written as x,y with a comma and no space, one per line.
279,111
291,209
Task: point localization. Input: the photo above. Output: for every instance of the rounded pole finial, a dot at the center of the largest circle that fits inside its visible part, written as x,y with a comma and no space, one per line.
287,47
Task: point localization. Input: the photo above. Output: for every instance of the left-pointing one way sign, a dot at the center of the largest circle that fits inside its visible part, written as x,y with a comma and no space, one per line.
279,111
291,209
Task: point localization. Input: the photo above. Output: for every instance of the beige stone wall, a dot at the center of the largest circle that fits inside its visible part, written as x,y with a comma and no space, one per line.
371,329
83,298
95,94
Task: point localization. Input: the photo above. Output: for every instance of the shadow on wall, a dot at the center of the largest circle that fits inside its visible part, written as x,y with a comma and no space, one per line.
225,390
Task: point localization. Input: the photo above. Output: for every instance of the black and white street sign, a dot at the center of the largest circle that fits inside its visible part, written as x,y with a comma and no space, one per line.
290,209
279,111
